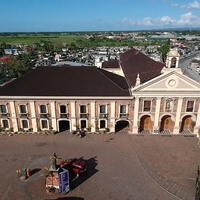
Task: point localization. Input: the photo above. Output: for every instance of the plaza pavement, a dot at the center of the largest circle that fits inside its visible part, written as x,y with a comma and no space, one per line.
120,166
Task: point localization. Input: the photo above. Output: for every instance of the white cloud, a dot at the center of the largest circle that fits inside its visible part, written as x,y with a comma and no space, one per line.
192,5
174,4
187,19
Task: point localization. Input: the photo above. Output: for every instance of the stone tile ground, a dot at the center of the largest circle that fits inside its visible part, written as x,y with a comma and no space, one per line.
120,166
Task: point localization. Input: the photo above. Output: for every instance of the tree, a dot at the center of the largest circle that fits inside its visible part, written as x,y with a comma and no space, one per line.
14,68
164,49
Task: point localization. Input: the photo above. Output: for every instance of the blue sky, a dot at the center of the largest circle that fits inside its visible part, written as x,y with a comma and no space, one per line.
97,15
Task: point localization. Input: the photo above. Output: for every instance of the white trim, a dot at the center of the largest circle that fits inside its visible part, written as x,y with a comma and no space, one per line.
63,119
188,107
126,113
106,124
99,112
165,114
47,124
6,108
22,104
86,110
67,98
170,100
62,104
84,120
39,105
22,124
193,117
7,121
150,105
146,114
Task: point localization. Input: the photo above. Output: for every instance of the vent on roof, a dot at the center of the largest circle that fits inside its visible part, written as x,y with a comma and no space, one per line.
136,52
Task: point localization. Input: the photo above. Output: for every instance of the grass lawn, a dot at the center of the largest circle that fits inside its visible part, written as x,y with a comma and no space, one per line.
36,38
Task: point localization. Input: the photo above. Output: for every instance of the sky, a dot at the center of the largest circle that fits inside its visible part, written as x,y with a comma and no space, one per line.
97,15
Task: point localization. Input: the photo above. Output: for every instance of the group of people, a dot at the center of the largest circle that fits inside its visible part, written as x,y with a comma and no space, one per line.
81,133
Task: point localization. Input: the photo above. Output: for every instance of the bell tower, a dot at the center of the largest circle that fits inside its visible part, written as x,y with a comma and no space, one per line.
173,58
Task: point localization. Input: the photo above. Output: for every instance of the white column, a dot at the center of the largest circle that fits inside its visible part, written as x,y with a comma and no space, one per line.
92,116
73,115
178,115
135,117
33,116
112,116
197,126
157,112
13,116
53,116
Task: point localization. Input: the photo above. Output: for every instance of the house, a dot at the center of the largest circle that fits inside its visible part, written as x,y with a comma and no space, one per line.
142,96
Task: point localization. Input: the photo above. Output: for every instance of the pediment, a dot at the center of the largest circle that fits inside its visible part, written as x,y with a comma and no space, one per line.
171,81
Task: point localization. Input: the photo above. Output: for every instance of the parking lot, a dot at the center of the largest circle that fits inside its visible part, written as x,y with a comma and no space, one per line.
120,166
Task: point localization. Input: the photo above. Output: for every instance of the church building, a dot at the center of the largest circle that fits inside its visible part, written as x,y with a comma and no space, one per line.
134,94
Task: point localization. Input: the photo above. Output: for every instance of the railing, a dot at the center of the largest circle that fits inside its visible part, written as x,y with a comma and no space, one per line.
123,116
23,115
101,115
189,109
4,115
84,115
64,115
44,115
147,109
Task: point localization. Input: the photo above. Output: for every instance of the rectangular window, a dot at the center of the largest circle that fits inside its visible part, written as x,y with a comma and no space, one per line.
3,109
5,124
123,111
22,109
83,111
44,124
190,106
102,124
102,111
63,109
147,106
83,124
43,109
24,124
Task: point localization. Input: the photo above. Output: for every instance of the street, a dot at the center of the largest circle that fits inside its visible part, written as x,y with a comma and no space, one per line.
183,64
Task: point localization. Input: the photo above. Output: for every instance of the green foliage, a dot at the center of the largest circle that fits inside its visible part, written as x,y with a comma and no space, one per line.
14,68
164,49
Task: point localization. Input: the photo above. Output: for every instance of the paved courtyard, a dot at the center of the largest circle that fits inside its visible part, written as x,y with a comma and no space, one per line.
120,166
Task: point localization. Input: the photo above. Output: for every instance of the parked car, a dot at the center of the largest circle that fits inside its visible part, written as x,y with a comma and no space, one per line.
75,165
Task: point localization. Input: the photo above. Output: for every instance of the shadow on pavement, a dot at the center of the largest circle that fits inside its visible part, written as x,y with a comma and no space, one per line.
91,170
34,171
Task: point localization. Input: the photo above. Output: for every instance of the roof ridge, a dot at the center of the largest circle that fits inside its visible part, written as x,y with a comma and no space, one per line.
100,71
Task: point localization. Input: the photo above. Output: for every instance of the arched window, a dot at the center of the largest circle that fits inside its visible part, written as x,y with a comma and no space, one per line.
173,62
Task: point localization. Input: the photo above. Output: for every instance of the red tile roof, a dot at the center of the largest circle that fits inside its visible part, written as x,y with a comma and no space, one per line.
134,62
67,81
111,64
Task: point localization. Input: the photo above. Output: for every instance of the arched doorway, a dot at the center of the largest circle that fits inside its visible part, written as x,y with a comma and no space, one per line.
63,125
146,124
187,124
122,126
166,125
